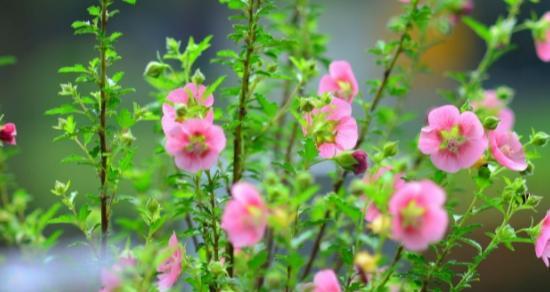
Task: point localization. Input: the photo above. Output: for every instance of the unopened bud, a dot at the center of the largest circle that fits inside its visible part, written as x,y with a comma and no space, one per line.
381,225
355,161
155,69
491,122
366,262
540,139
390,149
198,78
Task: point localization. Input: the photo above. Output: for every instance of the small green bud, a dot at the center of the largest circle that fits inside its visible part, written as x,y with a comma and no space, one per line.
216,268
271,179
304,179
153,209
198,78
540,139
127,137
491,122
390,149
357,187
355,161
272,68
484,172
505,93
155,69
529,170
60,188
307,104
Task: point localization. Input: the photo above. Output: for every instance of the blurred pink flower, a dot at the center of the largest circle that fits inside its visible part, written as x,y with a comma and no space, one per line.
326,281
340,81
195,144
7,133
454,140
418,214
245,216
111,277
496,107
542,245
333,128
361,164
170,270
372,211
507,149
542,39
184,103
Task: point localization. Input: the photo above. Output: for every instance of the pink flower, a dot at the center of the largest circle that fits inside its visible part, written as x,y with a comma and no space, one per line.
465,7
170,270
333,128
355,161
340,81
372,211
245,216
418,214
195,144
495,106
542,39
326,281
454,140
507,149
8,133
542,245
184,103
111,278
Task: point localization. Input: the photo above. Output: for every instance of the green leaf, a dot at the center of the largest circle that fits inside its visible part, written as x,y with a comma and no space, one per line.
125,119
268,107
61,110
310,151
479,28
77,68
131,2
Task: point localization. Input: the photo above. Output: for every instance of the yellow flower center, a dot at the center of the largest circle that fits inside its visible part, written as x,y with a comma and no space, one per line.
412,214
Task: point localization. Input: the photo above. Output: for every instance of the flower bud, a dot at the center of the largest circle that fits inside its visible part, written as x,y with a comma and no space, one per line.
307,104
529,170
491,122
366,262
504,93
216,268
198,78
280,219
540,139
8,133
155,69
501,33
381,225
60,188
355,161
390,149
357,187
304,179
127,137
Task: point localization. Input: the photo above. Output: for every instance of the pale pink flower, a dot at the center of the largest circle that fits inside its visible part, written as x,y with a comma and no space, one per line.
340,81
7,133
195,144
326,281
111,277
245,216
170,270
542,245
453,140
507,149
418,214
372,211
333,128
495,106
185,103
542,41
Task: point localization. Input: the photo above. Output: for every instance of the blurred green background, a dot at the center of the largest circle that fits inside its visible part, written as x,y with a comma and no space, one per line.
38,33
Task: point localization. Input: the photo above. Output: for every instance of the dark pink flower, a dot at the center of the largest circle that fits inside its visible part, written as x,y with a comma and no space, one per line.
170,270
418,214
340,81
542,245
453,140
186,103
542,39
195,144
245,216
8,133
332,127
361,164
326,281
507,149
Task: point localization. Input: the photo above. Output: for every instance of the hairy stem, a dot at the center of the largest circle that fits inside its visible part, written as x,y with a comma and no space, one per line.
103,150
238,159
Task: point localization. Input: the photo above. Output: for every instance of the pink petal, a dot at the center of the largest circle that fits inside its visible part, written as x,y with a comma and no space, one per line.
443,117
